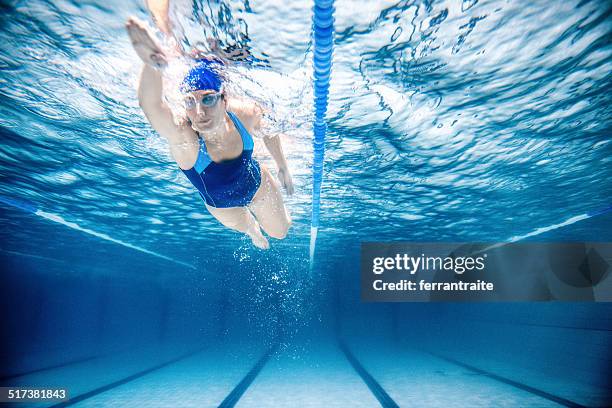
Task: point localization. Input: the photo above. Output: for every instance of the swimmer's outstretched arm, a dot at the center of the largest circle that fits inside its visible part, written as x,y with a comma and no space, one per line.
182,139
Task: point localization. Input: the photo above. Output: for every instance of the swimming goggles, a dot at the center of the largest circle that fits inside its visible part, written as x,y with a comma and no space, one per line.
209,100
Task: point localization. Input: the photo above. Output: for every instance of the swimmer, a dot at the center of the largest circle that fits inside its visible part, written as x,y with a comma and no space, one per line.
214,148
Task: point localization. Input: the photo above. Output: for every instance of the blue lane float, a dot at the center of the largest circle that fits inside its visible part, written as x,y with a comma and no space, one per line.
32,208
323,33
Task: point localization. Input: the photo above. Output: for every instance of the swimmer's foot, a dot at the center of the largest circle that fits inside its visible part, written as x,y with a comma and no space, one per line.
145,44
258,238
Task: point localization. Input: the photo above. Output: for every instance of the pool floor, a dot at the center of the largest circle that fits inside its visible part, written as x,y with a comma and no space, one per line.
323,374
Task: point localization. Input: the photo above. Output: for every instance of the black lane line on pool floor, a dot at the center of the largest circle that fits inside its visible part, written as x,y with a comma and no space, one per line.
379,392
8,378
524,387
235,395
100,390
75,361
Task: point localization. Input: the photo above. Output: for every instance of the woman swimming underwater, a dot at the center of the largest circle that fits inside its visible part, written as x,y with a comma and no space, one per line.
214,149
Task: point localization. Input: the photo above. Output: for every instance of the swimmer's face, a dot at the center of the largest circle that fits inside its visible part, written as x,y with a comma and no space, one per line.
205,109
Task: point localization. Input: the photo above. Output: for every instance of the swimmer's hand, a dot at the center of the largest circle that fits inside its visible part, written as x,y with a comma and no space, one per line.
145,44
285,179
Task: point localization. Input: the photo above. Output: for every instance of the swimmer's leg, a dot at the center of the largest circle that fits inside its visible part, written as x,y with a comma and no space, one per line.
240,219
269,208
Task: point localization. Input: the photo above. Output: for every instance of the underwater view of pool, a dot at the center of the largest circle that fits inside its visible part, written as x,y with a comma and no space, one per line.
445,121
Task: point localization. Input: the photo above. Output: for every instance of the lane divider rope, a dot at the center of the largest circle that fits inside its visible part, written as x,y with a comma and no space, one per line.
323,33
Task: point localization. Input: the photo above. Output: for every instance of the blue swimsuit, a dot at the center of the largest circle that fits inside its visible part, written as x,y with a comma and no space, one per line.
230,183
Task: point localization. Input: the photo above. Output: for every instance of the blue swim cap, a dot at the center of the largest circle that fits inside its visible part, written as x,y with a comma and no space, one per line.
203,76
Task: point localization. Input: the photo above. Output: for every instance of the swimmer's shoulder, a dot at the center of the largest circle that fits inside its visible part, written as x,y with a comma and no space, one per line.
249,112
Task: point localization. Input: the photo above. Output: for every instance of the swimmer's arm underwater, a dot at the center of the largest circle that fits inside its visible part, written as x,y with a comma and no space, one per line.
252,116
274,146
276,150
